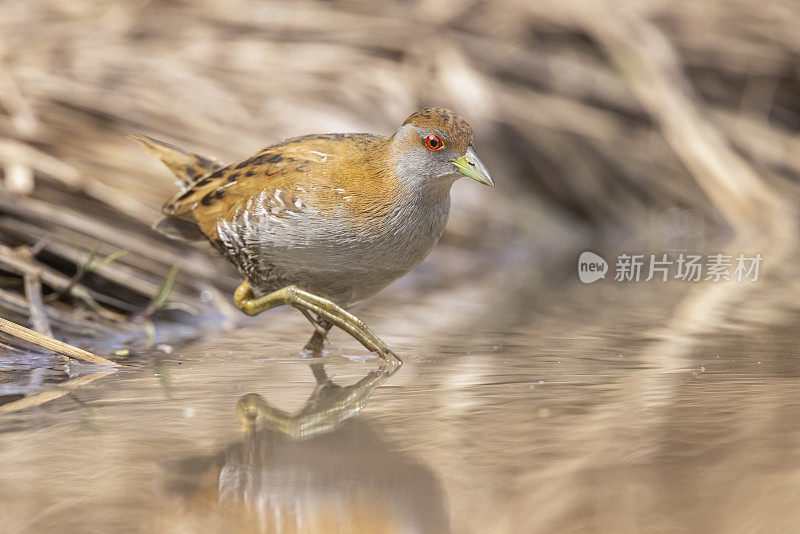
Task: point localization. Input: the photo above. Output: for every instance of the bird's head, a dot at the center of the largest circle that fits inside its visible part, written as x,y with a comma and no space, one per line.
434,145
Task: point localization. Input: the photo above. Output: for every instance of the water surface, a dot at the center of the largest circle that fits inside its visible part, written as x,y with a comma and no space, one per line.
527,403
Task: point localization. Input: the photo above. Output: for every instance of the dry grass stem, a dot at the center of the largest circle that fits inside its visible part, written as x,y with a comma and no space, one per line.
38,314
46,396
49,343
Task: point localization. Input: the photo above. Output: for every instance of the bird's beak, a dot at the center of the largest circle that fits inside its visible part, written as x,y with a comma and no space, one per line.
470,165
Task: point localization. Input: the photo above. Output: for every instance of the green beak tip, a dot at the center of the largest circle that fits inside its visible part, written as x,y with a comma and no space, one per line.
470,165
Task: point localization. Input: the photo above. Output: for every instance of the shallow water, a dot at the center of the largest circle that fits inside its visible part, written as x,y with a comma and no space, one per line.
527,403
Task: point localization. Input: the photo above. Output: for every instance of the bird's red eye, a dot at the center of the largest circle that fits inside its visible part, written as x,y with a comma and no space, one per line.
433,142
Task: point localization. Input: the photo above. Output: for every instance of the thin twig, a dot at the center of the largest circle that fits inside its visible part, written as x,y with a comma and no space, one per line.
47,396
66,321
38,315
47,342
87,266
24,264
161,298
32,281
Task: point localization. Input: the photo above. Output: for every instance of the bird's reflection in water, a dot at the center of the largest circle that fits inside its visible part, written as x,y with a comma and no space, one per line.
320,470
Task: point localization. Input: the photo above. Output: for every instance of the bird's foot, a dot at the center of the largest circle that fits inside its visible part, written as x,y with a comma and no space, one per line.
327,311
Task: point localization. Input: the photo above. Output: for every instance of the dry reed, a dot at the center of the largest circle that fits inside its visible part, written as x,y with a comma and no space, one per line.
608,112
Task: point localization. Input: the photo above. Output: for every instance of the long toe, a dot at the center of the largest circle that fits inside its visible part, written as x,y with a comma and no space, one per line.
391,356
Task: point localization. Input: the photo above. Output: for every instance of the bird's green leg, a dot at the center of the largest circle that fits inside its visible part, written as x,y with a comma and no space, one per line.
325,309
317,341
320,325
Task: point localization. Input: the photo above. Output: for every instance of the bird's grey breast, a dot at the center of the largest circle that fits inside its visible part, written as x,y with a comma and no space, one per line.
278,240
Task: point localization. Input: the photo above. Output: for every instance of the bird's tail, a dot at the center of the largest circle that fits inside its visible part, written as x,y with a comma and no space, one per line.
186,165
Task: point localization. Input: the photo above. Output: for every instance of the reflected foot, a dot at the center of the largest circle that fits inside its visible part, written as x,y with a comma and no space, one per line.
328,406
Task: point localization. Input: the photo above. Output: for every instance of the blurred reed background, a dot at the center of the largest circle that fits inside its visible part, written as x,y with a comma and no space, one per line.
602,119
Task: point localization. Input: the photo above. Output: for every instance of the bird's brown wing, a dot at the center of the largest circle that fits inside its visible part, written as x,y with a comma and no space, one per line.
286,167
314,169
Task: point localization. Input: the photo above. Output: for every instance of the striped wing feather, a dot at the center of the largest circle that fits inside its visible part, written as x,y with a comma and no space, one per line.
314,168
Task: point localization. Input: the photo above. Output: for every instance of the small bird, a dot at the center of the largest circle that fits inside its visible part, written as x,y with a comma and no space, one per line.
322,222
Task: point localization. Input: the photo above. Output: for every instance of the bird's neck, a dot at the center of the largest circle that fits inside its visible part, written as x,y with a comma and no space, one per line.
421,211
